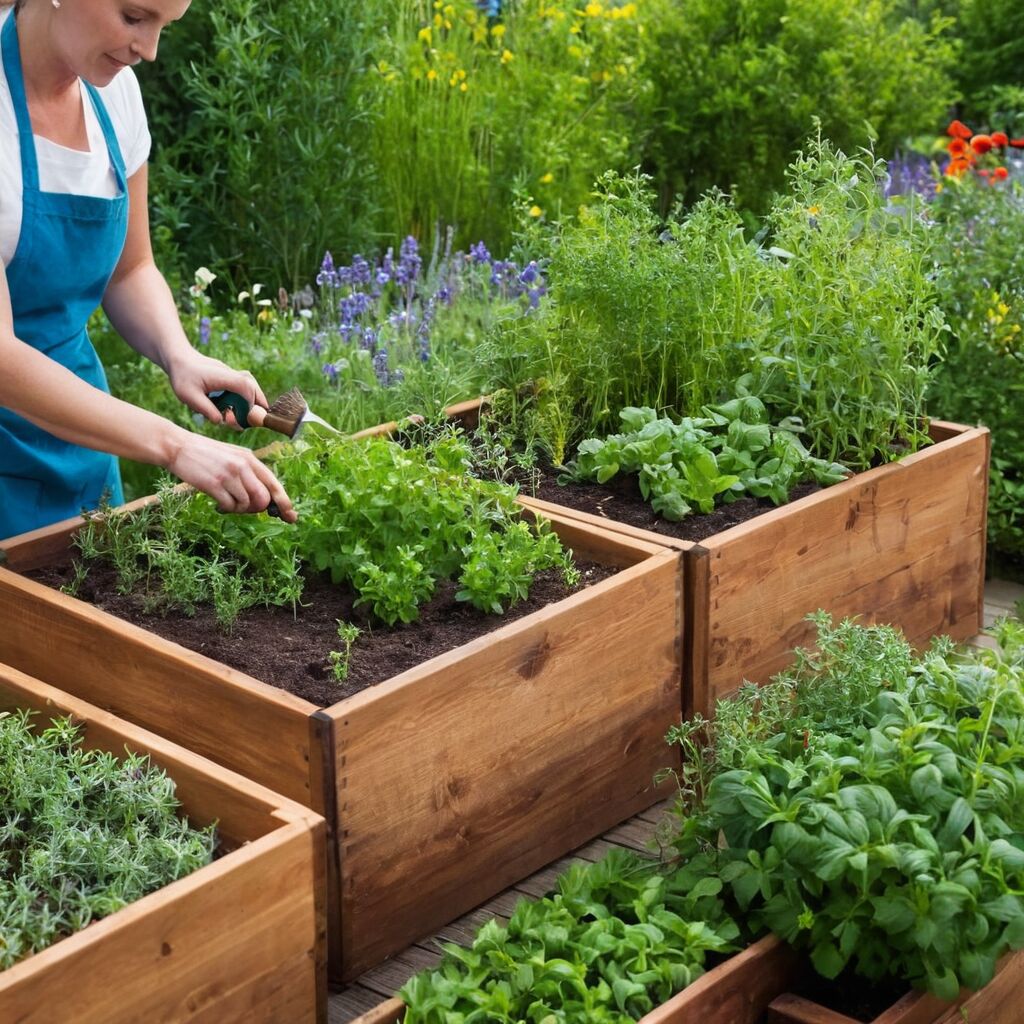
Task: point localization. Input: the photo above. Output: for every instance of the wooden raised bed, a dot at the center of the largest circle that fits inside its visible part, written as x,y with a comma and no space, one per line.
750,988
901,544
242,939
441,786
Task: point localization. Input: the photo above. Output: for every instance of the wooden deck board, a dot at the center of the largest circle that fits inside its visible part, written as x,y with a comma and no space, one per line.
375,986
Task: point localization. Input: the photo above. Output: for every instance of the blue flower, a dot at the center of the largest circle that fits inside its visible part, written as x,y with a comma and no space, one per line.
380,367
330,370
204,331
479,254
529,274
327,276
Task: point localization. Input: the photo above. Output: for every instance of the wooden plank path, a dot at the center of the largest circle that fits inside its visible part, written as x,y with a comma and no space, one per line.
381,983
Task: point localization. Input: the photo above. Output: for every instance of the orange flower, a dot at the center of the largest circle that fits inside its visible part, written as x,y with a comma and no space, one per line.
1019,143
957,147
1000,174
999,139
981,143
959,130
956,167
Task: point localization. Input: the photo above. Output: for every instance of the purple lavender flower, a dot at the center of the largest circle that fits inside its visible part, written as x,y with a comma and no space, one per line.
479,254
409,262
330,371
534,296
327,276
204,331
443,294
380,367
529,274
316,343
908,173
368,339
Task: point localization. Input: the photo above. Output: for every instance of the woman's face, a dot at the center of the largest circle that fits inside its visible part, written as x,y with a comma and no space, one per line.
99,38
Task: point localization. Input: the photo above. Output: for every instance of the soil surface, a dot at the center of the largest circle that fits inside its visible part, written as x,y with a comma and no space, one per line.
620,499
291,650
856,997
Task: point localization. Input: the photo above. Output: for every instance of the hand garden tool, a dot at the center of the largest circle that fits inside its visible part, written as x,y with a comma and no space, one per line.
287,415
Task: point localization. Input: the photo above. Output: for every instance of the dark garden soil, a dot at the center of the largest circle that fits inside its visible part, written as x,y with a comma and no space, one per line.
856,997
620,499
291,651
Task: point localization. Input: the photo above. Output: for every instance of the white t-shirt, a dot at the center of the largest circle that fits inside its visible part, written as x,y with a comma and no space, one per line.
70,170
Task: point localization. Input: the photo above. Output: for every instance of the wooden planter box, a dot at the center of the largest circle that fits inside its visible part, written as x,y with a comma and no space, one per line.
901,544
750,988
441,786
242,939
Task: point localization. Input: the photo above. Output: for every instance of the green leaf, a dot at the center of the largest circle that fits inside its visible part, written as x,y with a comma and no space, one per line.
827,959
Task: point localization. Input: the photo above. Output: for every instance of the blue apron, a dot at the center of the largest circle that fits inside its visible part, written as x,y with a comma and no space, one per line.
67,250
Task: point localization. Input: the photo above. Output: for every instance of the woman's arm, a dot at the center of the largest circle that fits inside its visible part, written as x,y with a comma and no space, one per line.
54,398
142,310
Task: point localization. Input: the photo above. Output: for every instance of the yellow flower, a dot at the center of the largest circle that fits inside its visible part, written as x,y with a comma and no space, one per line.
460,75
576,51
506,56
449,10
425,35
438,21
264,315
621,69
480,33
463,87
575,28
536,211
814,210
593,10
498,31
431,75
546,179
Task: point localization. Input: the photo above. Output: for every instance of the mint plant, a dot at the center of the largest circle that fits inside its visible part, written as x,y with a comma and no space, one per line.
348,633
82,834
728,453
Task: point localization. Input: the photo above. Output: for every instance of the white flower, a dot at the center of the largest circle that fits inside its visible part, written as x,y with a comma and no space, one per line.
297,326
305,313
262,302
205,277
257,288
242,296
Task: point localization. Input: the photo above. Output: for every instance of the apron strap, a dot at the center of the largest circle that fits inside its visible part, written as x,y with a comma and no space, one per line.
109,135
16,83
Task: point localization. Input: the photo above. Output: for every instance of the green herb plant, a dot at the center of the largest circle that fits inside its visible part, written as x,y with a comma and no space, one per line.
348,633
82,834
729,453
614,940
891,838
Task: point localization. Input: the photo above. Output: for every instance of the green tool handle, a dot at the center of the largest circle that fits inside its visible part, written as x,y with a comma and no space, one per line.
225,400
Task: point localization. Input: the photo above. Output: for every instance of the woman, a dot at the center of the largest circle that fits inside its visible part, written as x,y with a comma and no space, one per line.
74,233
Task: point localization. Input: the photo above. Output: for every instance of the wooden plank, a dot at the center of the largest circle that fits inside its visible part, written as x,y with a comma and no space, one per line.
394,972
550,508
239,939
791,1009
471,771
735,992
391,1012
193,700
902,544
915,1008
1001,1001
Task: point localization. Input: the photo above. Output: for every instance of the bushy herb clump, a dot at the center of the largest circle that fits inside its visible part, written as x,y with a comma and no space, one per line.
82,834
881,826
616,939
729,453
832,312
390,521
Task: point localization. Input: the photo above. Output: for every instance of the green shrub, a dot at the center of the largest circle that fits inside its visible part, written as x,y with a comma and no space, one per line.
739,81
980,279
260,139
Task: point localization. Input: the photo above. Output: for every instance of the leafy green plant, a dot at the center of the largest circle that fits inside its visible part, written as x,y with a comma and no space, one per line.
832,312
615,939
892,840
82,834
390,521
729,453
348,633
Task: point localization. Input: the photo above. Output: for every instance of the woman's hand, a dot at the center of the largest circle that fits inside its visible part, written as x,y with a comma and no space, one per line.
231,475
193,376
